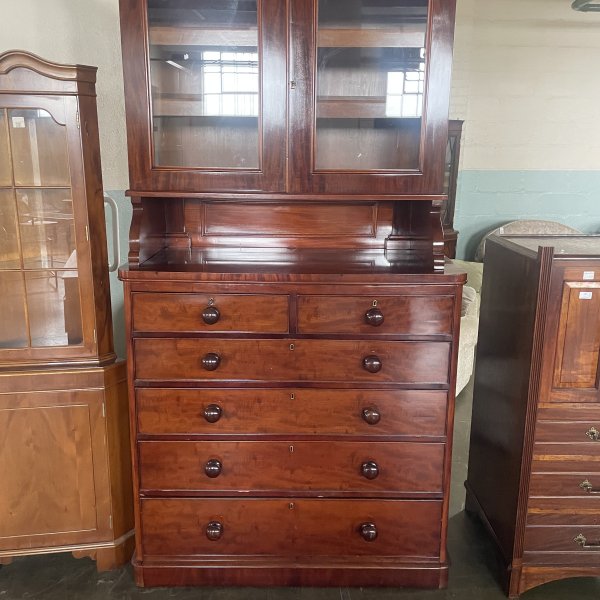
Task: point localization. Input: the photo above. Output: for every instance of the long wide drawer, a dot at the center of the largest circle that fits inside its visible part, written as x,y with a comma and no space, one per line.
365,315
288,411
173,359
290,527
562,511
235,313
573,485
566,458
298,467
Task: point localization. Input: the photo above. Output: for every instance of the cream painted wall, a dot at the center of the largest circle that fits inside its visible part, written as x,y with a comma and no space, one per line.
85,32
527,83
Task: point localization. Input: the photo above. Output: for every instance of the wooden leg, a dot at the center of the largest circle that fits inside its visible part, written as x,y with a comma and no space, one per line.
108,559
5,560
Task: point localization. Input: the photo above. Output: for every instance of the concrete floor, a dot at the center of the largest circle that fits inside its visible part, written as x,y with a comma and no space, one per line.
61,577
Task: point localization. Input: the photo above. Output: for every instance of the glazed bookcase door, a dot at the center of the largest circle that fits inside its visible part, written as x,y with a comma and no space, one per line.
368,97
212,78
45,270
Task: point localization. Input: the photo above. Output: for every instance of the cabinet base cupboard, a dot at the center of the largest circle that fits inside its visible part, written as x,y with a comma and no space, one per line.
292,332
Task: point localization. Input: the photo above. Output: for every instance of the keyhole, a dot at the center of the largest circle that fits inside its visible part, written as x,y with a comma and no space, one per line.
374,303
292,346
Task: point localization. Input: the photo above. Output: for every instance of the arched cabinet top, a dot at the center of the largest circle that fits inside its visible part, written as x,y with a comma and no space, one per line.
25,73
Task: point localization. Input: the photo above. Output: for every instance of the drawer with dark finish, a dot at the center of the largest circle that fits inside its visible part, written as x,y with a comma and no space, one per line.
568,432
366,315
299,411
565,484
219,313
375,361
291,527
300,467
577,539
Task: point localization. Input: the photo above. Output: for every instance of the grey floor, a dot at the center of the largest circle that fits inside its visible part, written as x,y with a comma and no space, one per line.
61,577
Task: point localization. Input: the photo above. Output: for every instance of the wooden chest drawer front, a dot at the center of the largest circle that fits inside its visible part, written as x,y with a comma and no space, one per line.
395,467
424,363
413,315
578,485
564,511
291,527
179,313
566,458
569,432
563,539
289,411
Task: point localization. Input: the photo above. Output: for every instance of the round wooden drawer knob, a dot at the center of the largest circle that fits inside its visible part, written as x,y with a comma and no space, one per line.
210,315
212,413
211,361
372,363
368,531
371,415
374,317
214,531
369,469
213,468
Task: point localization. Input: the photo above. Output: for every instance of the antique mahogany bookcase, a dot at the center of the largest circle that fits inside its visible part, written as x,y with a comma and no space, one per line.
292,330
64,439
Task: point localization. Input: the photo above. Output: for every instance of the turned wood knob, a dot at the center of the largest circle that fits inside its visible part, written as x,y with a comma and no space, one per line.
213,468
369,469
210,315
371,415
368,531
211,361
372,363
214,531
212,413
374,317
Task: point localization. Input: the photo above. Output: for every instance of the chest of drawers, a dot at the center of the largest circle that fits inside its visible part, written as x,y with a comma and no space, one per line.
534,465
292,430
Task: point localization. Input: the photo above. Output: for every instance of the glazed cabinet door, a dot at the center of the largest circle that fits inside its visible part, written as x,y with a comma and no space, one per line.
205,89
369,95
45,264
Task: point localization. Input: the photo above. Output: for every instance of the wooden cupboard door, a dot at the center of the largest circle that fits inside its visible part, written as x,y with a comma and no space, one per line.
211,77
368,96
53,469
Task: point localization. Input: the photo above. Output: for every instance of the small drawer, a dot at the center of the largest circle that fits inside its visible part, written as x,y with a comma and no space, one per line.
582,541
566,458
299,467
578,485
414,413
366,315
576,432
290,527
360,361
560,511
205,313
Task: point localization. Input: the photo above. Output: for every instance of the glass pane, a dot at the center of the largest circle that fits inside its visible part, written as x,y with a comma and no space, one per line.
9,241
39,148
13,323
5,166
370,82
53,302
47,227
204,71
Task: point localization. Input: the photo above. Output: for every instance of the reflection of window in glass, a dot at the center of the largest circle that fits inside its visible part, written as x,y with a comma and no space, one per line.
405,89
230,82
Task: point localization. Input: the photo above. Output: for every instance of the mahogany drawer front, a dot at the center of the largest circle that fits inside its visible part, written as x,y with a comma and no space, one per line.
575,485
289,411
564,511
568,412
183,313
290,527
171,359
300,467
412,315
566,458
568,432
562,539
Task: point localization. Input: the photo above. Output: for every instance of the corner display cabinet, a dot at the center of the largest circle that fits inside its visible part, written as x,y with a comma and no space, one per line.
534,463
64,458
292,330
